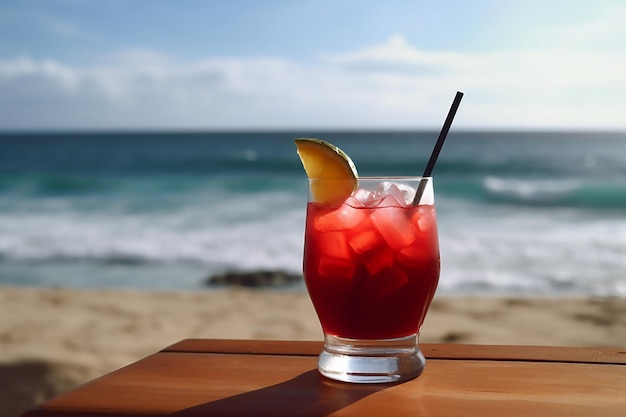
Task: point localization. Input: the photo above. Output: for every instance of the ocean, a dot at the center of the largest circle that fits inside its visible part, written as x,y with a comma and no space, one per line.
523,213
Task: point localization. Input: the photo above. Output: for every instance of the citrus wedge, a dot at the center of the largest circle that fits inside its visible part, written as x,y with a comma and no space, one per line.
333,172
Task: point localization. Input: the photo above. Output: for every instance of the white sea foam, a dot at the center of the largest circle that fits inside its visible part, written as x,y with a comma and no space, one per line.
263,231
534,252
484,249
494,250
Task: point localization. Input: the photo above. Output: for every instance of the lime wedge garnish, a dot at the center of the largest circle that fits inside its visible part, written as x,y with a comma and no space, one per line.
326,164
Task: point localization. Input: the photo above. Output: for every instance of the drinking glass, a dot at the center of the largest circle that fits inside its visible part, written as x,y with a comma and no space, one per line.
371,268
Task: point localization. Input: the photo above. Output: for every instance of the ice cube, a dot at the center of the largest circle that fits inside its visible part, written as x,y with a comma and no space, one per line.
344,217
362,196
335,268
394,226
365,241
368,199
425,218
418,255
412,255
334,244
383,188
402,193
378,260
389,201
393,280
353,201
407,192
373,201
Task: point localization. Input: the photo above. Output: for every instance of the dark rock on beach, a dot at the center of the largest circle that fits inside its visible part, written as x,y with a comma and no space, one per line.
255,279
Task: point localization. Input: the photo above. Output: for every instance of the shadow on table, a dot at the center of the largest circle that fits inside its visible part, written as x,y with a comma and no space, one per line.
308,394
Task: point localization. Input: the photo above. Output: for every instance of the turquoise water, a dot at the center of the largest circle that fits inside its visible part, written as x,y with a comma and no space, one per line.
519,212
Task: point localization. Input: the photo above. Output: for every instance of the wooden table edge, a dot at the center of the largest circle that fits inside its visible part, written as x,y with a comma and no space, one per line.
137,375
563,354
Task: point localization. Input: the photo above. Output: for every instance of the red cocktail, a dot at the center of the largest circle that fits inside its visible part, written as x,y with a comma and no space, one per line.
371,267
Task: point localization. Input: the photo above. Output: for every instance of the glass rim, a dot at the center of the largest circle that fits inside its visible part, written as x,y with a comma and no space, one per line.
377,178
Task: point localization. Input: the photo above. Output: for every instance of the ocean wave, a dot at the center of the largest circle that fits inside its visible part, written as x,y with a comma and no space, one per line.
105,246
153,209
573,193
212,230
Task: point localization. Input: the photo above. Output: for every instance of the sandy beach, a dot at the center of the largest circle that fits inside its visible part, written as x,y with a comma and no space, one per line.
54,339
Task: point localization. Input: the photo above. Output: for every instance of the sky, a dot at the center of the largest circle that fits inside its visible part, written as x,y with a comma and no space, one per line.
326,64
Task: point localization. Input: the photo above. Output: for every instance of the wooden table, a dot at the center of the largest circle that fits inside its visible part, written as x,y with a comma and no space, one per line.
277,378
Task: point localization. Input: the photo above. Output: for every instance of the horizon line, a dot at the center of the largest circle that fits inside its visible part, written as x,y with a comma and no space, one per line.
304,130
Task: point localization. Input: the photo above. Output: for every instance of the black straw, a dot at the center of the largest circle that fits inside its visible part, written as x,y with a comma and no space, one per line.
435,154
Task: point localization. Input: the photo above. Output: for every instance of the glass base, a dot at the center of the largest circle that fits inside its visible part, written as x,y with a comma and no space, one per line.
371,361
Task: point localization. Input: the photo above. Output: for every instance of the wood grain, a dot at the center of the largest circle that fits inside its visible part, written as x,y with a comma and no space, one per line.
272,378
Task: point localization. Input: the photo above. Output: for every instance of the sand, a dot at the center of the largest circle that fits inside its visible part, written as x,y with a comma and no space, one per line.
51,340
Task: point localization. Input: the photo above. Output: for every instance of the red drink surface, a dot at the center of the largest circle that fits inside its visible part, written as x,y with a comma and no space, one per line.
371,273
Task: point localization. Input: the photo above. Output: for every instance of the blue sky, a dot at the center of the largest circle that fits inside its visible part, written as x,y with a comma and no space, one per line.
153,64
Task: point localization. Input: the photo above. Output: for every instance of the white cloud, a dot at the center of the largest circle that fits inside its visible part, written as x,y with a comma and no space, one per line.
392,84
396,53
